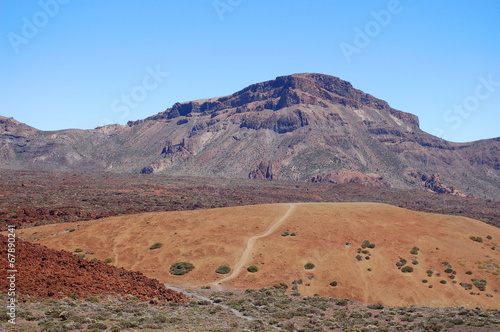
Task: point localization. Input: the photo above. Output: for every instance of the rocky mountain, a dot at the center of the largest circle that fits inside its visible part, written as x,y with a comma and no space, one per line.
302,127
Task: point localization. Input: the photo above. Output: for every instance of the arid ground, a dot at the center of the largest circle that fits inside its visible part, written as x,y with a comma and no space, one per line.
356,245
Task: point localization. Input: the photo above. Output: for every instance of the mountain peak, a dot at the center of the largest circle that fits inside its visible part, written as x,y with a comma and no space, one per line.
291,91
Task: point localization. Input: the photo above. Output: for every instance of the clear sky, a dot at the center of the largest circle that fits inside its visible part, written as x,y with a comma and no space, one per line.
84,63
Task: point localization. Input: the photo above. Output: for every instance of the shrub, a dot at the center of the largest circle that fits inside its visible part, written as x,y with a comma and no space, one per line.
282,285
341,302
333,283
156,245
476,239
415,262
309,266
444,282
468,272
448,271
293,234
78,250
252,269
367,244
466,285
414,251
376,306
223,269
108,260
364,252
181,268
401,263
407,269
480,284
359,257
429,273
425,281
286,233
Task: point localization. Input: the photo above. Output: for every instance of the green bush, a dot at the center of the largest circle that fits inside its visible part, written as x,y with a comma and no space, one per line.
401,263
223,269
468,272
285,233
444,282
309,266
333,283
156,245
359,257
480,284
407,269
181,268
108,260
252,269
414,251
78,250
367,244
476,239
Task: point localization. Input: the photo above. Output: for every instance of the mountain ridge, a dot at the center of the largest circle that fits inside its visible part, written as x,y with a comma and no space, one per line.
296,127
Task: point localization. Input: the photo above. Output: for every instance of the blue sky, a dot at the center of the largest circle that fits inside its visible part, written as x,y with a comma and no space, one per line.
84,63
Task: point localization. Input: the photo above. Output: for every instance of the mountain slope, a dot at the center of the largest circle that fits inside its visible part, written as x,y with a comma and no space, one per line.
296,127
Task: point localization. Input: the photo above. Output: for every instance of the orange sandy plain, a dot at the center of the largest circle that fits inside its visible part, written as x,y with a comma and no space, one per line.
326,234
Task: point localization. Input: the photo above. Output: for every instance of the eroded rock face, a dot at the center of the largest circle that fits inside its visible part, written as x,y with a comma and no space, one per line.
431,182
49,273
266,171
350,176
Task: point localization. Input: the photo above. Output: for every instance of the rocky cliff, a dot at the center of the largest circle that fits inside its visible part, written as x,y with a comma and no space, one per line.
298,127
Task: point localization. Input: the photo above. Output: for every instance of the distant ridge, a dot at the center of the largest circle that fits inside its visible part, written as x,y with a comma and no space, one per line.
302,127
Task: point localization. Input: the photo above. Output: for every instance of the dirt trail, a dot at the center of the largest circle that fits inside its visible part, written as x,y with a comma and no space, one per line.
250,245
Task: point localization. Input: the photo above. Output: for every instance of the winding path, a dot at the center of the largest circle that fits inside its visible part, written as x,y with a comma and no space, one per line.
250,245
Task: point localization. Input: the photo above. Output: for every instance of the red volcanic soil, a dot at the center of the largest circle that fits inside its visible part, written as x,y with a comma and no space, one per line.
44,272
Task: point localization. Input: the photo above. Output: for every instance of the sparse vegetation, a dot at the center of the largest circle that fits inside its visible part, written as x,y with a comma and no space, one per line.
309,266
407,269
156,245
402,262
333,284
181,268
285,233
480,284
108,260
78,250
367,244
476,239
414,250
223,269
252,269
